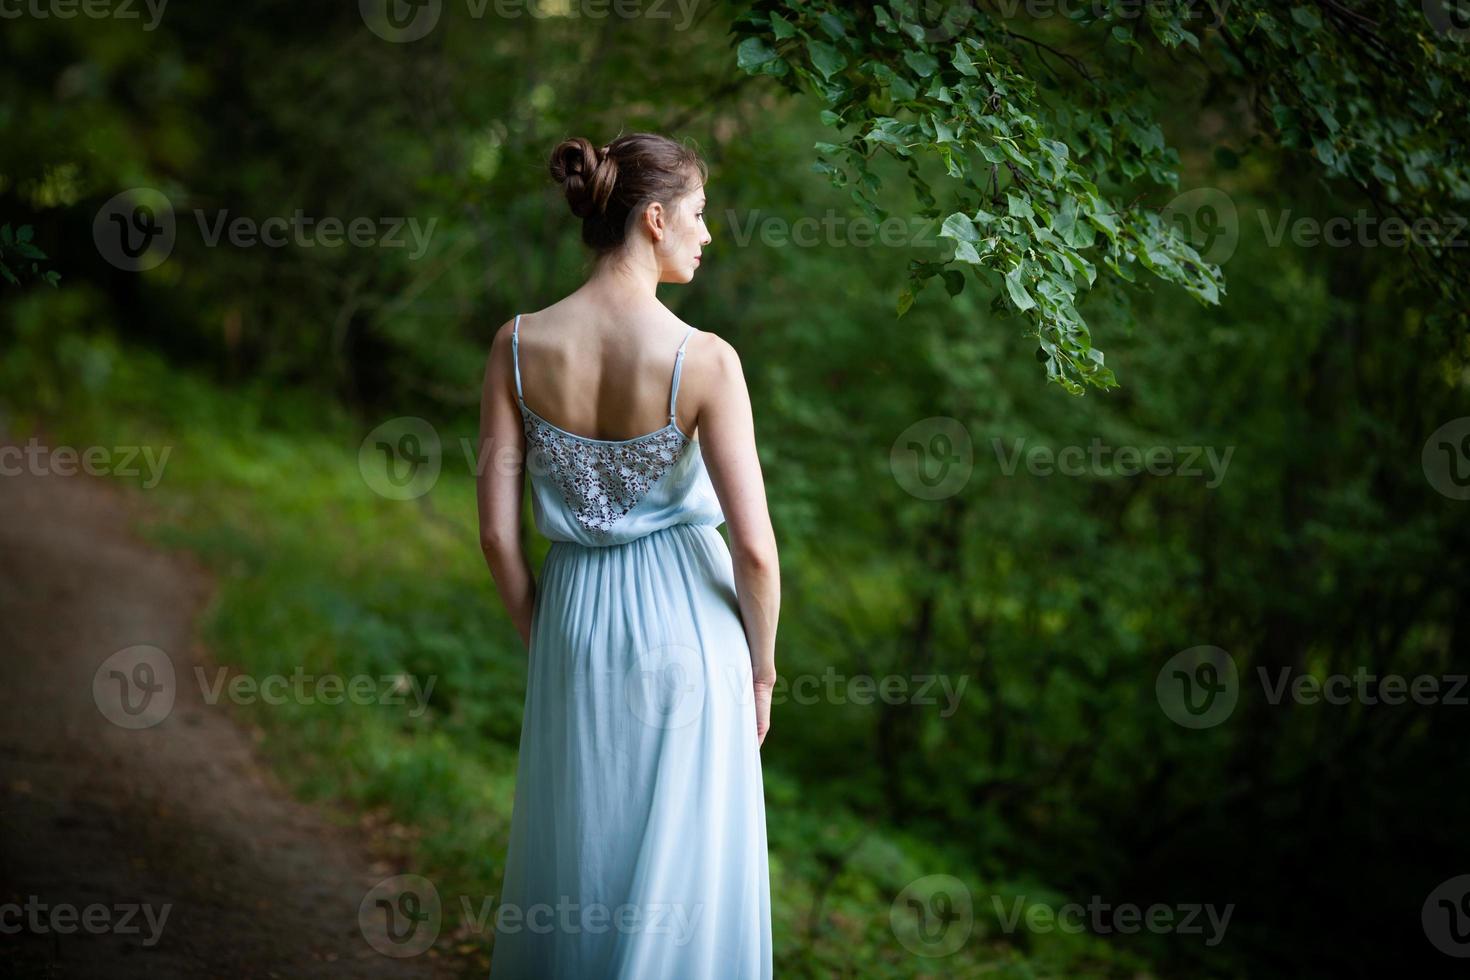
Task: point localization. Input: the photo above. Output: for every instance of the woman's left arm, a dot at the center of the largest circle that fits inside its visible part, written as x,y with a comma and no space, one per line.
500,483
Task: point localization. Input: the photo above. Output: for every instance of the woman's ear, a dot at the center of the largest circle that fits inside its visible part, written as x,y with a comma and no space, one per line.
653,217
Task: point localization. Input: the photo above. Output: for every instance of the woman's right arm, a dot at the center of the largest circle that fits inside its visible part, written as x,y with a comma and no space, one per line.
500,486
727,442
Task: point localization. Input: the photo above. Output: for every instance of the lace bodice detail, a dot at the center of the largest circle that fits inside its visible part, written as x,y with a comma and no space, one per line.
601,480
585,489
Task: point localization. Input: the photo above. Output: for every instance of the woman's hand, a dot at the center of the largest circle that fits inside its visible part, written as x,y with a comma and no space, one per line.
763,689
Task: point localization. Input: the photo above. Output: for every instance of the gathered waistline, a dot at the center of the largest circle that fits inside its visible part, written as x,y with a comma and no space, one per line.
560,544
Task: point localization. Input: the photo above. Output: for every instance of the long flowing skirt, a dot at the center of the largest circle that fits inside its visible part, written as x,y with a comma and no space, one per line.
638,838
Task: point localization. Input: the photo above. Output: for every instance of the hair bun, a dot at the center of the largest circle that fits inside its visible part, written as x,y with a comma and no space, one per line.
607,185
587,175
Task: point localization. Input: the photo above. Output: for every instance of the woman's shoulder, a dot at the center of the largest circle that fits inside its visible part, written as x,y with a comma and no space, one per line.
709,355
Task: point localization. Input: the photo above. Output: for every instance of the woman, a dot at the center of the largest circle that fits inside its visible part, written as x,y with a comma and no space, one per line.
638,839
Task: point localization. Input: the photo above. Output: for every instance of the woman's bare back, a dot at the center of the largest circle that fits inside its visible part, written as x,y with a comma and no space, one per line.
605,373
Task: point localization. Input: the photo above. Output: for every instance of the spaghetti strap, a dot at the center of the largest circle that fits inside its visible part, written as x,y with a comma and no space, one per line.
515,354
678,367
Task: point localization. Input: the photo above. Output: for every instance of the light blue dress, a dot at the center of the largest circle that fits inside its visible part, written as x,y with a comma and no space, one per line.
638,837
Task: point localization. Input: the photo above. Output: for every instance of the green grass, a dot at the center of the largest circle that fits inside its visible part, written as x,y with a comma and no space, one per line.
318,573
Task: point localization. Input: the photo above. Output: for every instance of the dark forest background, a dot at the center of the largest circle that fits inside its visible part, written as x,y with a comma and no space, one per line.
1334,541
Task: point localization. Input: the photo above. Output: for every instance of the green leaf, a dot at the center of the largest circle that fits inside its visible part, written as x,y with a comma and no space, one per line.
1325,152
959,227
966,252
825,58
1017,290
905,301
963,64
992,153
1307,17
1069,224
1057,150
753,53
1019,205
923,63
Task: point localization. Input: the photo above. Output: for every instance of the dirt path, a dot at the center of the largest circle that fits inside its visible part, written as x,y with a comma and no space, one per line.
178,821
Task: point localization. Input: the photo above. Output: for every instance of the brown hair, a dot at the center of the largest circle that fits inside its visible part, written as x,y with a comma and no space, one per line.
604,184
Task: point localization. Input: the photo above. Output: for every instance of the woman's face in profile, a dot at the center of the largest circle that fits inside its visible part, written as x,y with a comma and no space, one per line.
685,236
